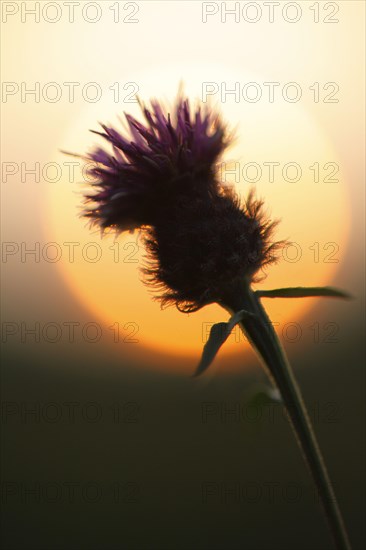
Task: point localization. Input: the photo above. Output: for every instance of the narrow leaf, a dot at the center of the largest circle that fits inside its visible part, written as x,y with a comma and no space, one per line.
219,333
302,292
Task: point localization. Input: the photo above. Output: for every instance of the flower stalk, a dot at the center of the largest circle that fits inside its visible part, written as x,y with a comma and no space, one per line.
259,330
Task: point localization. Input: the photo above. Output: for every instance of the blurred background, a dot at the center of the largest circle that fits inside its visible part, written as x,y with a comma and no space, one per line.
107,441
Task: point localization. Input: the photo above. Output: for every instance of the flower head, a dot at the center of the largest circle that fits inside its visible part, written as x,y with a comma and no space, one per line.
161,177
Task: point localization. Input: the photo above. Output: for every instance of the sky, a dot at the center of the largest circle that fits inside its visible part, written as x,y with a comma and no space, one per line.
287,81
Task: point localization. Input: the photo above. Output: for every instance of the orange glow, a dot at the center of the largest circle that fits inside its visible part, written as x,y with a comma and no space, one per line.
310,217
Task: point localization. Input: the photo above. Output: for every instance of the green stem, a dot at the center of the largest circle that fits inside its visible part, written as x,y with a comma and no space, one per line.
262,336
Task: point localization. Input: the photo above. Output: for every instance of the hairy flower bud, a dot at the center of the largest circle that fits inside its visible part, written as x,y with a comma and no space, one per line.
162,178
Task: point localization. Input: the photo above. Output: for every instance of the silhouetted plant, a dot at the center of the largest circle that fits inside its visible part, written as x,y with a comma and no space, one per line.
203,244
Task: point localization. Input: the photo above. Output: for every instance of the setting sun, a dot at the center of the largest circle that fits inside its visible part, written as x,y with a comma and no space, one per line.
281,152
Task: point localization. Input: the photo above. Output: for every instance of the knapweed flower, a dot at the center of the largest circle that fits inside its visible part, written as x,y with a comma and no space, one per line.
203,244
161,176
